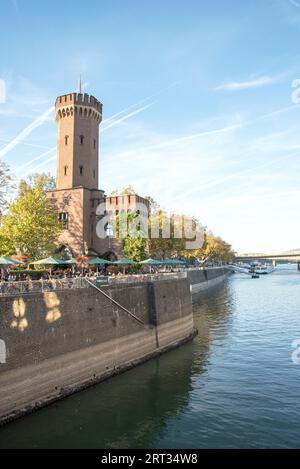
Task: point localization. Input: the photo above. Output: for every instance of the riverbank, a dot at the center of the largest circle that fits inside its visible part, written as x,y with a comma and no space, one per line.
59,342
62,341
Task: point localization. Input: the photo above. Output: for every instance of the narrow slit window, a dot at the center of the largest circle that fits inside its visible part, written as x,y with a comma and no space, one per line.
81,170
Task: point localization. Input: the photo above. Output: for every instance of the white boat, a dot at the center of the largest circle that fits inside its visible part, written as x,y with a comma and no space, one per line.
263,269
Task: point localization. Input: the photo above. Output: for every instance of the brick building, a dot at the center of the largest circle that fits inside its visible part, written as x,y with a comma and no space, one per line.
77,194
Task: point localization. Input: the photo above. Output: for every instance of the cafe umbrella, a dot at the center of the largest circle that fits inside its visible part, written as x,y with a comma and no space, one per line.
50,261
6,262
124,262
98,261
151,262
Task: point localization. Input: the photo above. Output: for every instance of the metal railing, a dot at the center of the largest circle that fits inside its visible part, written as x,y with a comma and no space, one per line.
41,286
146,277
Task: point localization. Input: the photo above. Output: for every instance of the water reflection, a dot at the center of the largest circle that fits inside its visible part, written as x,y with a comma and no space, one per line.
123,412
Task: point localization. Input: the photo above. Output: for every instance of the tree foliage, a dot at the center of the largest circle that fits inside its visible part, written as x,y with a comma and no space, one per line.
166,238
135,248
43,181
214,249
30,226
163,242
128,190
5,186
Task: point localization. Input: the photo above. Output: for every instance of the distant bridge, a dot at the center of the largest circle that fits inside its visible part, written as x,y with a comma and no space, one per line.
295,258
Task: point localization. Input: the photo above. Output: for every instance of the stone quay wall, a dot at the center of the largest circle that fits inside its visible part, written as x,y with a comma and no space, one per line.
55,343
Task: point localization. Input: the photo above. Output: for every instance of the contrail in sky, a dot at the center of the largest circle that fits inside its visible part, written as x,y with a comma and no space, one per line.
154,95
20,168
24,143
40,120
296,4
31,170
222,179
25,132
127,116
221,130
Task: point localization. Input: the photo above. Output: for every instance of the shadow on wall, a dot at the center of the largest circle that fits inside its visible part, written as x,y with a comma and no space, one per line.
50,308
19,311
52,303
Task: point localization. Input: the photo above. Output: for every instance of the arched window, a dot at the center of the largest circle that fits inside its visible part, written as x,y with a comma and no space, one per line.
81,139
81,170
66,139
64,219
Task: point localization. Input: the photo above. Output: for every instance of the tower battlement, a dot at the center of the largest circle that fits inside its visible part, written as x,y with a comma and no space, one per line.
78,98
81,104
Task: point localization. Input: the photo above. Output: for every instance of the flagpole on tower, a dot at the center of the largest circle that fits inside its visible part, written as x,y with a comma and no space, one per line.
80,84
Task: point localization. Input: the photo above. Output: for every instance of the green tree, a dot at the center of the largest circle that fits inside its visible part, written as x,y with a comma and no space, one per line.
135,243
5,186
125,191
44,181
163,242
154,206
214,249
30,226
135,248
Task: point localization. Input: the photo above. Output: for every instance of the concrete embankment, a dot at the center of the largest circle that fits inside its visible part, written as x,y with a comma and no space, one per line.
203,279
55,343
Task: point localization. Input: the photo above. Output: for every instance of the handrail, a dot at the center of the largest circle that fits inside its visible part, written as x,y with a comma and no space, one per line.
133,316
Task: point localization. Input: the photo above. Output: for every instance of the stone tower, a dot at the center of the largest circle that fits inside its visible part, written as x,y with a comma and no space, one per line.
77,195
78,117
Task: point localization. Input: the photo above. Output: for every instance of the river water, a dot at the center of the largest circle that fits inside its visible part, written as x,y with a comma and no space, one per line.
234,386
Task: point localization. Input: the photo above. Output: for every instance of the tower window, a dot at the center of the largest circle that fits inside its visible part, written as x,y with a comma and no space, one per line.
94,143
81,139
66,139
94,173
65,170
64,219
81,170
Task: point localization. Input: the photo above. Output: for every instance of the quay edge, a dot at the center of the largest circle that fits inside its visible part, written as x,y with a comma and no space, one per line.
61,342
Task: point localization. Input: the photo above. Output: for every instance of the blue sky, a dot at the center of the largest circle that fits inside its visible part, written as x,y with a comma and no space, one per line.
207,125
